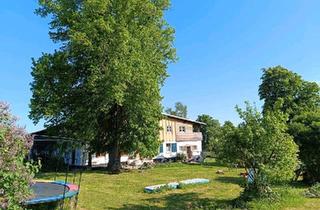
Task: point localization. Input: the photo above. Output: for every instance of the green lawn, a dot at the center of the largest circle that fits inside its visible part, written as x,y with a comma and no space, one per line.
100,190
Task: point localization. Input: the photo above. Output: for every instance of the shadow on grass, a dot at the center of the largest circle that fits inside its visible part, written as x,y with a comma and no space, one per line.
231,180
210,164
179,201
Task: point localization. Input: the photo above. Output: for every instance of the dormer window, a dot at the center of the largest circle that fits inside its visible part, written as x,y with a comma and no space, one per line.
169,128
182,129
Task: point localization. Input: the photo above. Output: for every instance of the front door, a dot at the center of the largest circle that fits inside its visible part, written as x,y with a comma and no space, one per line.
189,152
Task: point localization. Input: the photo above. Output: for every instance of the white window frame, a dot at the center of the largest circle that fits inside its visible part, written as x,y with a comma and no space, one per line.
169,128
170,148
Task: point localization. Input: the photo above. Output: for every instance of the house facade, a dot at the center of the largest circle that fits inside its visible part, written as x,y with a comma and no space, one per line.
177,135
180,135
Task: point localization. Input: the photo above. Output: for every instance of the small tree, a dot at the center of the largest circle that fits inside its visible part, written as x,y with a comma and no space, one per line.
260,143
180,110
15,172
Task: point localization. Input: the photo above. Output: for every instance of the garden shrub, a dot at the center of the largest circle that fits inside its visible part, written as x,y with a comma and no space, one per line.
15,172
313,191
181,157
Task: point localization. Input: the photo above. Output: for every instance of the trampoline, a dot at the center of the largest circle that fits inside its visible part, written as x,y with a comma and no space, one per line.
51,191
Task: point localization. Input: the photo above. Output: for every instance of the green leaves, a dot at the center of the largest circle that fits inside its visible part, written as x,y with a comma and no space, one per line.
300,100
261,142
109,69
15,173
296,94
212,133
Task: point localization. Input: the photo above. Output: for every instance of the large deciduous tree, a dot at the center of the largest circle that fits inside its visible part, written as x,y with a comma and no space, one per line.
103,83
297,94
301,101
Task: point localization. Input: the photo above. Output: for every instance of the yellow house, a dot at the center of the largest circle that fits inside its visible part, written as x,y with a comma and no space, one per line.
180,135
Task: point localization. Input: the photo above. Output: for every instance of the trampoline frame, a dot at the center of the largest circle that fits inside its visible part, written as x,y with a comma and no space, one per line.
72,190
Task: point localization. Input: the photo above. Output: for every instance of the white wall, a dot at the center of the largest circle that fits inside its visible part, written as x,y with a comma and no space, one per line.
168,154
103,160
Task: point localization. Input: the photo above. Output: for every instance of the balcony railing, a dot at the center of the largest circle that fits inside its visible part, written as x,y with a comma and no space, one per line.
194,136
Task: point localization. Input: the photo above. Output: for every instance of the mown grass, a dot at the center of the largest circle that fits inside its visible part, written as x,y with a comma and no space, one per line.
100,190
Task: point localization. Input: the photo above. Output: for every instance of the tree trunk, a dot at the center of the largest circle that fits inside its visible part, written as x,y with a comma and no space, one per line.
114,164
90,160
115,125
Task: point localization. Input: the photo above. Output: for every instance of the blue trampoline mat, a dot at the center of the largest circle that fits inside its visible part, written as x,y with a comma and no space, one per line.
44,192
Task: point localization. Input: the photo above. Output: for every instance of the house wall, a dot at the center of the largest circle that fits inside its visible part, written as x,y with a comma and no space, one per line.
171,137
166,136
104,159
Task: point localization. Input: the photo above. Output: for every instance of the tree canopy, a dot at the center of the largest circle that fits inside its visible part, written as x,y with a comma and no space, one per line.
298,95
179,110
103,83
301,101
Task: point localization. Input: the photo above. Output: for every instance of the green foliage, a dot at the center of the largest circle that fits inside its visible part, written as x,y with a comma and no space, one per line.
313,191
103,84
252,193
301,101
211,132
262,144
15,173
305,129
180,110
181,157
296,94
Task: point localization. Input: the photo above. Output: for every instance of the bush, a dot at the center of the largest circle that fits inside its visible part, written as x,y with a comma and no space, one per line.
251,192
181,157
313,192
15,173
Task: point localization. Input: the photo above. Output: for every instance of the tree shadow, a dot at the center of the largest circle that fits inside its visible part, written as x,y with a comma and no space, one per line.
179,201
231,180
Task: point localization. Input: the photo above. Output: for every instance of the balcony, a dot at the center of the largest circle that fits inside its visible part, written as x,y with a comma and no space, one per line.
194,136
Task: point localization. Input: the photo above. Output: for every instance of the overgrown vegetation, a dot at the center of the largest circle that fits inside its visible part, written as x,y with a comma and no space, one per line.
313,191
15,172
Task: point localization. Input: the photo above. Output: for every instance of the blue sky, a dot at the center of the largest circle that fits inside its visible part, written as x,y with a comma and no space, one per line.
221,44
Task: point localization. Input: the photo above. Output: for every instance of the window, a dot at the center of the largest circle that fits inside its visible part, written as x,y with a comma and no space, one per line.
182,129
194,147
183,148
161,148
174,147
168,147
171,147
169,128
